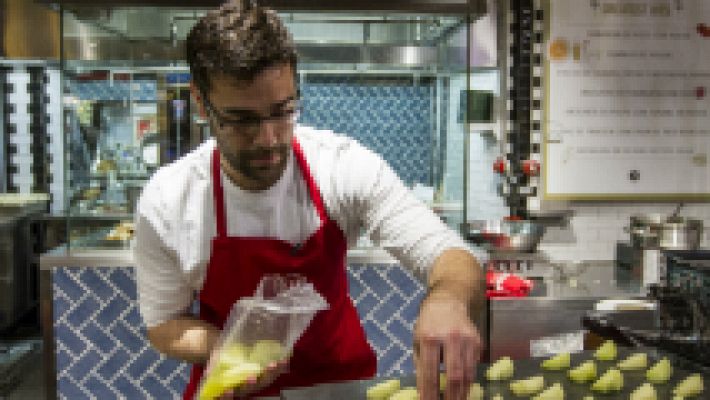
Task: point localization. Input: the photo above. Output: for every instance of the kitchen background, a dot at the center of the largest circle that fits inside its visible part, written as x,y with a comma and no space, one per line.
95,99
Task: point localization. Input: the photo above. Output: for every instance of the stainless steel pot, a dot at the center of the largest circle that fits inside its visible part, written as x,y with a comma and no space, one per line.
681,234
653,231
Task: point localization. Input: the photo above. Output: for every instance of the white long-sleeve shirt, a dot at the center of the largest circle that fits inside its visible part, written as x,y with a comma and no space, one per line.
175,219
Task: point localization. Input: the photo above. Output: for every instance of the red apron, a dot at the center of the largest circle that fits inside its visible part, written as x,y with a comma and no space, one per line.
334,346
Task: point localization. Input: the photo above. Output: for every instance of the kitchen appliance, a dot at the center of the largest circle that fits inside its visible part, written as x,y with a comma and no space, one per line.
637,268
529,266
504,314
655,231
641,260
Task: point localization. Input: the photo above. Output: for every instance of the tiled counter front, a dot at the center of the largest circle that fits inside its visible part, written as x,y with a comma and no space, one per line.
101,347
100,343
387,298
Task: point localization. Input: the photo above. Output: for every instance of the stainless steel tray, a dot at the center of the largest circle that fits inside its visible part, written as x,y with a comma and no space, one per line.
356,390
341,391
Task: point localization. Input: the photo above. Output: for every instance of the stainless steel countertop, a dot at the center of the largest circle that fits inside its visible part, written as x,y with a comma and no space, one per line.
589,279
83,257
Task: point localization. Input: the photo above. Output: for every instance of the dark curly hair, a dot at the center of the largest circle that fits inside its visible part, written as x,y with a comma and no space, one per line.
239,39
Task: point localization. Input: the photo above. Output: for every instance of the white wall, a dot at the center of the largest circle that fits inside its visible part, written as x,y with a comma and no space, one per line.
594,229
23,178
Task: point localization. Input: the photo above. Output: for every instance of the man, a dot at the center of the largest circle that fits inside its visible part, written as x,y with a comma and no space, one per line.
270,196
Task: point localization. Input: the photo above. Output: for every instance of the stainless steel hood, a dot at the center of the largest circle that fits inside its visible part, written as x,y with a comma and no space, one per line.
118,51
424,6
404,37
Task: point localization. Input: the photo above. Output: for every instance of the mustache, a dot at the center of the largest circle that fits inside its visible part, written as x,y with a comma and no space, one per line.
265,152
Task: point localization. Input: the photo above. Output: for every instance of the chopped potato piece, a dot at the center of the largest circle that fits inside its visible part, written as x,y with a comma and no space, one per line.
690,386
383,390
235,363
634,362
233,354
475,392
500,370
644,392
223,378
556,363
660,372
585,372
554,392
265,352
238,374
611,381
606,352
408,393
527,387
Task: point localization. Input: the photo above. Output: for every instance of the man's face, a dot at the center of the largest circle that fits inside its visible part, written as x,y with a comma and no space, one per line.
253,123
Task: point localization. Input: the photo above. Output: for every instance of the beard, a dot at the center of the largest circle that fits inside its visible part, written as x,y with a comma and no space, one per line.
251,165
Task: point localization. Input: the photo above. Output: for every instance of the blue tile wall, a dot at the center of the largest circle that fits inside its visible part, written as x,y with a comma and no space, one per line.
391,116
102,351
138,90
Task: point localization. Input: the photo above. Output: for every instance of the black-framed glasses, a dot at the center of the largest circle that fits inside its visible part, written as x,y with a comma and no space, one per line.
283,118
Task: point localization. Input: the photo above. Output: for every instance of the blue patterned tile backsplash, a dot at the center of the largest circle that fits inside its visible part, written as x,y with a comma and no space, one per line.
387,299
102,90
101,347
102,351
391,116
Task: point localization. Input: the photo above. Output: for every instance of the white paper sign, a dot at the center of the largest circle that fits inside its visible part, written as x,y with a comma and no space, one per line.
628,99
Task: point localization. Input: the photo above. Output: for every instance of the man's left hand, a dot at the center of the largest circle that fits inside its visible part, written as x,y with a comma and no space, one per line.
445,328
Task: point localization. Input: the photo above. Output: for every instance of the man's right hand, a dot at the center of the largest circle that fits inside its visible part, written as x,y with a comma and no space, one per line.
254,384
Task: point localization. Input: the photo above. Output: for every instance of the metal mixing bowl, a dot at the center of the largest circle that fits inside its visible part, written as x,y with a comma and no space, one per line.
506,235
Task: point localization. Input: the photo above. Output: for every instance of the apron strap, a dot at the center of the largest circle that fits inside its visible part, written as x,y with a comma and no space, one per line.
310,182
218,196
